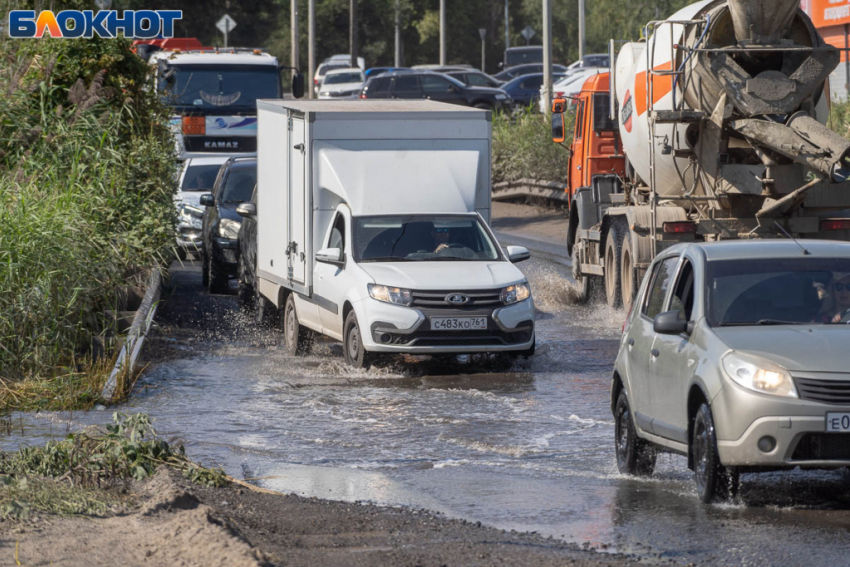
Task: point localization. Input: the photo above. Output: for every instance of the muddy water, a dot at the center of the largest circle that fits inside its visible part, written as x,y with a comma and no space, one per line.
528,449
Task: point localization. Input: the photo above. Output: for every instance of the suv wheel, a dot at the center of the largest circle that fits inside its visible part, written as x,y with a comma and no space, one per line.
216,278
634,456
352,345
714,481
298,339
246,291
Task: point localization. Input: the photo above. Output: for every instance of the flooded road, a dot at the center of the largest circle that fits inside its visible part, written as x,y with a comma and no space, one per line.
529,449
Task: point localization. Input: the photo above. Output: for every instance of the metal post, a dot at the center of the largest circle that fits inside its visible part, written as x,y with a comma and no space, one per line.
442,32
483,33
295,56
547,55
507,26
352,30
398,33
311,46
847,61
581,30
225,35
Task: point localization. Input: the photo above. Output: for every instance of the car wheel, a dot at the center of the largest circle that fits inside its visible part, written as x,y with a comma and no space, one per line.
483,106
246,292
634,455
296,337
613,256
217,278
628,272
265,311
353,350
714,481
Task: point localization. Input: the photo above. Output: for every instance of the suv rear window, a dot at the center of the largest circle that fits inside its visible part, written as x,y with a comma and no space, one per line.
380,85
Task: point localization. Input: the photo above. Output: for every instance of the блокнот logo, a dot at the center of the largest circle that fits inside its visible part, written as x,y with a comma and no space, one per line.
136,24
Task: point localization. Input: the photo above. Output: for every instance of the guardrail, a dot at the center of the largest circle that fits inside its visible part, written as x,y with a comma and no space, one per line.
549,190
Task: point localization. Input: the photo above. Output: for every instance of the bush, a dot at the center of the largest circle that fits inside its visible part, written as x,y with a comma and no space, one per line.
523,148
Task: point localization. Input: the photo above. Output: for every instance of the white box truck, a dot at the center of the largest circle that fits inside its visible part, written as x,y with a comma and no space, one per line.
372,229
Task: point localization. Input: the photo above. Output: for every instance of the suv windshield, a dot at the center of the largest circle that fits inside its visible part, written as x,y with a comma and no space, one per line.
200,178
421,238
339,78
780,291
239,184
208,87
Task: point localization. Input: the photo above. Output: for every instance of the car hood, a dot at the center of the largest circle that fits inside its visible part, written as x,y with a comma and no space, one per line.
341,87
804,348
486,90
449,276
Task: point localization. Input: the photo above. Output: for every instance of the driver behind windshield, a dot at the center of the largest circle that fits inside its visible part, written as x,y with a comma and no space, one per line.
841,299
440,236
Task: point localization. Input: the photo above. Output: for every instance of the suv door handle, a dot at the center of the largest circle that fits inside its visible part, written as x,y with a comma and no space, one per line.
655,353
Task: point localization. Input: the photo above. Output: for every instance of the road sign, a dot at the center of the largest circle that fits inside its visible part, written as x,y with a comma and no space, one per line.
528,32
482,32
226,24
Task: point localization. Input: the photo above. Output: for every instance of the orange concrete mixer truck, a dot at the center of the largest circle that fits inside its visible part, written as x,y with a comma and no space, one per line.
711,129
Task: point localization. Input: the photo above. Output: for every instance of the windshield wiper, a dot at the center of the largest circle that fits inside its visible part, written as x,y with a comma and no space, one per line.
386,259
759,322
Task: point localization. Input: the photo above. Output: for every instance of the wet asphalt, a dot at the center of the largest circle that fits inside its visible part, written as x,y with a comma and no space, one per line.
529,449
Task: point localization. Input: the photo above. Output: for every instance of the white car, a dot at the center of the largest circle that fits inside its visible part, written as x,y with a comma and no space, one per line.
342,84
571,85
197,177
330,64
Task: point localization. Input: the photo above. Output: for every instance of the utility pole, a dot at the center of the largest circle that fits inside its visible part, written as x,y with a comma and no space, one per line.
547,55
581,29
295,56
352,30
398,33
442,32
507,26
311,46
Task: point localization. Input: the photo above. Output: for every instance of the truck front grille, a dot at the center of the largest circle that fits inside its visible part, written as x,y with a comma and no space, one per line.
476,299
824,391
823,447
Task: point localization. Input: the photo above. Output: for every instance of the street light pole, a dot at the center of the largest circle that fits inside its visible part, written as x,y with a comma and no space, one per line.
581,30
547,54
507,26
398,33
442,32
311,46
295,56
352,29
483,33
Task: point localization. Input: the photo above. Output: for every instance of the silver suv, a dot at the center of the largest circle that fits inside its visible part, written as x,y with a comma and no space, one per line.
736,356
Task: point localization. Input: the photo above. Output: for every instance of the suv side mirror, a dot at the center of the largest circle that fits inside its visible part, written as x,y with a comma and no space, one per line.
517,254
247,210
207,200
671,323
330,256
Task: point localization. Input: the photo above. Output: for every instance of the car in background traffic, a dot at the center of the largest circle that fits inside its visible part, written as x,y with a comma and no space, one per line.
433,86
375,71
475,78
342,84
330,64
221,222
520,70
735,356
588,61
197,177
525,90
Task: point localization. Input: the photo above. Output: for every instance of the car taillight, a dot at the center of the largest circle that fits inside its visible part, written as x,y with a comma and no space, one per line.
194,125
363,96
835,224
679,227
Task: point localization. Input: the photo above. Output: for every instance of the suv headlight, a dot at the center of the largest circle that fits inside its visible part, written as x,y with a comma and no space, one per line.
516,293
387,294
228,228
759,374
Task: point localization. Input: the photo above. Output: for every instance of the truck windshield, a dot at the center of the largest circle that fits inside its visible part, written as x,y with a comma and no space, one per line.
778,291
421,238
206,87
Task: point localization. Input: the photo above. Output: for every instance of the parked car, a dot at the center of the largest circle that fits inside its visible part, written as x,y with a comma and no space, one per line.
247,257
735,355
595,60
342,84
221,223
331,63
525,90
375,71
475,78
197,176
433,86
570,85
442,68
520,70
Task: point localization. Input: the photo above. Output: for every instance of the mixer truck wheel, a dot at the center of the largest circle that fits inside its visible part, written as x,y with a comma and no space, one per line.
582,280
613,257
628,272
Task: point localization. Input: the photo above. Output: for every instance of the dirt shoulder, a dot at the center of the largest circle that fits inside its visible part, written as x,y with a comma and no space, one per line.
176,523
539,223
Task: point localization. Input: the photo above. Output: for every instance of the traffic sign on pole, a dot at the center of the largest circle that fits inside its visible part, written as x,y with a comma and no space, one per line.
225,25
528,32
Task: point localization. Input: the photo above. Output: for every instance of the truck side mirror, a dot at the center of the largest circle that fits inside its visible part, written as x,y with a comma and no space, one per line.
298,85
247,210
559,134
207,200
330,256
670,323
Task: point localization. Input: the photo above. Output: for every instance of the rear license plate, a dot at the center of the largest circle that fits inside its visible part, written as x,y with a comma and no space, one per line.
838,422
459,324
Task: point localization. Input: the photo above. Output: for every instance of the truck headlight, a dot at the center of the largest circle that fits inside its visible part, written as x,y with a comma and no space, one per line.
516,293
758,374
387,294
228,228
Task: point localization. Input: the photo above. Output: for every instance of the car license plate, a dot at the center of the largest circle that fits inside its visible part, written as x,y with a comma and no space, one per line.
459,323
838,422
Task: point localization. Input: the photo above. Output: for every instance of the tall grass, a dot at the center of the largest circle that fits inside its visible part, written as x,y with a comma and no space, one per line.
523,148
86,185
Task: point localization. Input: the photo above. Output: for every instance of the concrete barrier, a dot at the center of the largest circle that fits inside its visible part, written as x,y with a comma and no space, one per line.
549,190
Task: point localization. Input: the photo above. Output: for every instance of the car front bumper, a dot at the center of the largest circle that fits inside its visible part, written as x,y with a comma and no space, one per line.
394,329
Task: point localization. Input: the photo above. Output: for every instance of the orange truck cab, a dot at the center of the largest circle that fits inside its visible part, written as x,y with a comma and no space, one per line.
597,162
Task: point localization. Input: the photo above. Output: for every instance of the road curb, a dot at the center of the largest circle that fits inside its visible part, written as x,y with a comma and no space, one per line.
136,334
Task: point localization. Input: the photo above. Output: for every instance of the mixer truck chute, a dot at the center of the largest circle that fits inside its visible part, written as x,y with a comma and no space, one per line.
719,135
